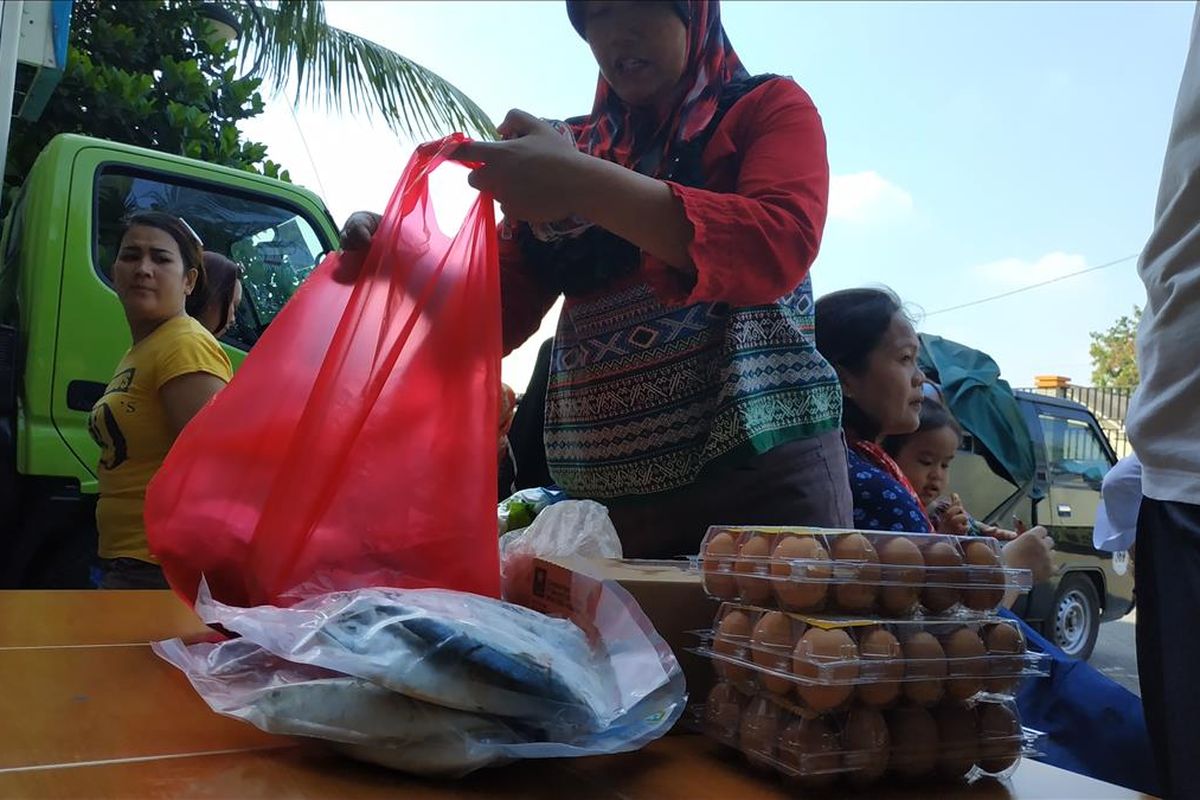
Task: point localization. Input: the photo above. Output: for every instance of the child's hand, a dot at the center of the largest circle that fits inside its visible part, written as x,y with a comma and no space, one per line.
954,520
1034,551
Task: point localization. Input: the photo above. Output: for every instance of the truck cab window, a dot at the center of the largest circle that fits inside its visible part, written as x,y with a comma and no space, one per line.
1075,454
276,246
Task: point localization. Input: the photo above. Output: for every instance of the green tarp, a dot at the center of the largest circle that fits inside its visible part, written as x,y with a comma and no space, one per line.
982,402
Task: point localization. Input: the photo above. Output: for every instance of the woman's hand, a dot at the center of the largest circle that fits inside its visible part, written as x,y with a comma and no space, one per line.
531,173
997,532
1032,550
359,228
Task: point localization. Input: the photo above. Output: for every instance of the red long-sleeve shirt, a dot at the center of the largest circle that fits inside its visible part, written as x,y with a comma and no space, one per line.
757,223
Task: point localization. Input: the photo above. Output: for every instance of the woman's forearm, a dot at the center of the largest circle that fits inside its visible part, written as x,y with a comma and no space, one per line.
635,207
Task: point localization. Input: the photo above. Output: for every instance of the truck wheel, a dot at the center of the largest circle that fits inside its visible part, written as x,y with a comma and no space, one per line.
1074,621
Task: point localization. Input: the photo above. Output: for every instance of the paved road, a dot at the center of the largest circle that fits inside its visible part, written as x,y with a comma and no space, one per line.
1116,654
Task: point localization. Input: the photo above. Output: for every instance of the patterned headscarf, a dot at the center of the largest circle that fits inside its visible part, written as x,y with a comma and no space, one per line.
611,132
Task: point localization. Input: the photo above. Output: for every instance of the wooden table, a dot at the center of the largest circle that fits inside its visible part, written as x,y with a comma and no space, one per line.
87,710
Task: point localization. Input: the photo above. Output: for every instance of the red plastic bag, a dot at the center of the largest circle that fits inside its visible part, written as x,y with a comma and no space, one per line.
357,444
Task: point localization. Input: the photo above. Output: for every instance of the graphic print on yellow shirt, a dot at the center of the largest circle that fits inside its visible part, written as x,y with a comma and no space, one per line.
129,424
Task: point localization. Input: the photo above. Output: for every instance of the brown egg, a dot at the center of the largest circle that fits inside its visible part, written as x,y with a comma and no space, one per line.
866,743
914,736
718,566
958,740
751,567
999,737
882,660
924,668
990,578
810,749
858,595
825,656
903,566
723,713
1003,639
759,734
771,646
940,560
733,640
966,659
800,587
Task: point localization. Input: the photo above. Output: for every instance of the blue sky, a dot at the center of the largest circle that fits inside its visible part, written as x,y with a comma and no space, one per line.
975,147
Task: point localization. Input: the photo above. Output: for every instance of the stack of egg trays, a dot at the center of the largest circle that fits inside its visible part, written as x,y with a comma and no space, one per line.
894,631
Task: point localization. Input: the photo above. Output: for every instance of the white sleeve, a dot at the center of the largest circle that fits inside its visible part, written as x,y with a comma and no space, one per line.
1164,420
1120,501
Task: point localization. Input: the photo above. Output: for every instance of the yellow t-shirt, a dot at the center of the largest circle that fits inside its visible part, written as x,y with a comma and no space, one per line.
130,425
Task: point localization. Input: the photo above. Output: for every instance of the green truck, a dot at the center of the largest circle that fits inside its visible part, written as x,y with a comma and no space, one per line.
62,329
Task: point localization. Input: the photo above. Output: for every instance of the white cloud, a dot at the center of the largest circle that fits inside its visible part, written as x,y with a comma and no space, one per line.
866,197
1017,272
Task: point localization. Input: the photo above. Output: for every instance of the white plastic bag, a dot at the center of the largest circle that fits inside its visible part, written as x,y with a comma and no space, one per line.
439,682
567,528
240,679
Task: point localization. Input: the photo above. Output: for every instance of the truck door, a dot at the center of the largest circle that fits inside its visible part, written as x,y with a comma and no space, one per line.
277,239
1077,458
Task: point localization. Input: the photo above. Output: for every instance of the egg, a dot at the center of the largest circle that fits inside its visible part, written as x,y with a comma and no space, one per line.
999,737
771,645
881,660
751,567
723,713
1004,639
866,743
733,640
759,733
825,656
914,735
990,578
857,595
809,748
903,566
800,587
924,668
966,659
958,740
718,565
941,558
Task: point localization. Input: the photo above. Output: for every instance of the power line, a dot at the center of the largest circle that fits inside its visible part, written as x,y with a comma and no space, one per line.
1032,286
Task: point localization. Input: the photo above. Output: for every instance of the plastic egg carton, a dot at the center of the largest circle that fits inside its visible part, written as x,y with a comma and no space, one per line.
826,664
864,573
951,742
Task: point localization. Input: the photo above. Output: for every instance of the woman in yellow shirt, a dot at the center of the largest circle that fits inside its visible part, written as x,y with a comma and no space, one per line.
174,367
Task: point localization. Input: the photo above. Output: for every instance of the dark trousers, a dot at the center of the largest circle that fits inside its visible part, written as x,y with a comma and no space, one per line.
1167,575
131,573
805,482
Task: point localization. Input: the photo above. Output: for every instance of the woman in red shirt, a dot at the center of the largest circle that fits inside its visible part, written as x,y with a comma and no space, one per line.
680,219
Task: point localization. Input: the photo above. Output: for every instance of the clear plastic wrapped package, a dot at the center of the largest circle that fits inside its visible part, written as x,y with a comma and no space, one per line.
857,572
459,680
861,745
825,664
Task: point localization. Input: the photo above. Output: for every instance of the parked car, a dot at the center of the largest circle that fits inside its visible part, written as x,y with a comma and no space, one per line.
62,328
1039,459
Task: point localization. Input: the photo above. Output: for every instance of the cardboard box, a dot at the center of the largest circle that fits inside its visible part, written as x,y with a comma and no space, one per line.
668,592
